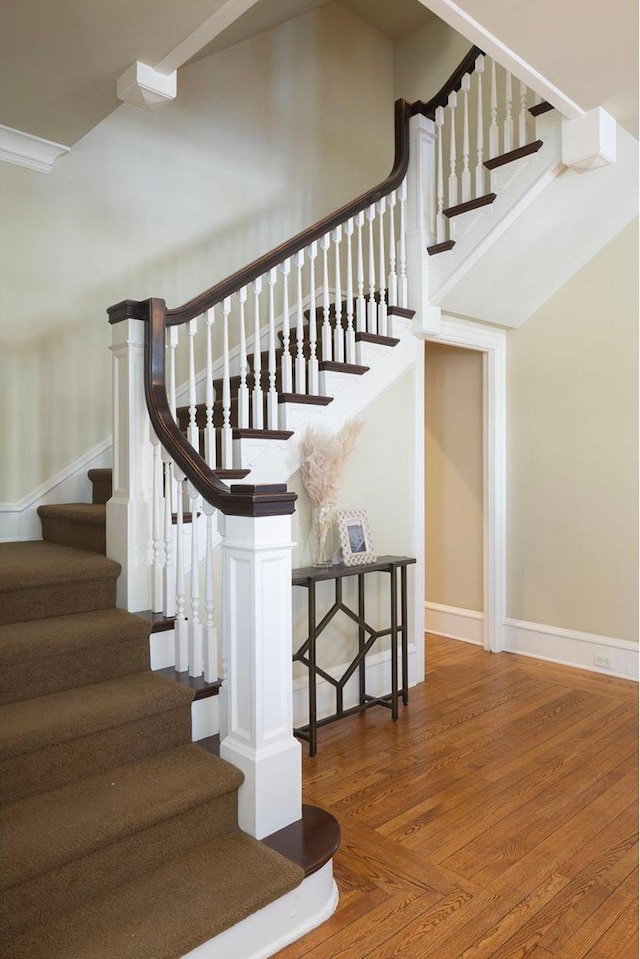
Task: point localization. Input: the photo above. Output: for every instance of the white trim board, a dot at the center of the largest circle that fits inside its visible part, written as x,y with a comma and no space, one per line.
570,647
553,644
454,622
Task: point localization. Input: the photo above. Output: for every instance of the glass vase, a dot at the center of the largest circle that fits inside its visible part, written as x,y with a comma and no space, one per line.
322,535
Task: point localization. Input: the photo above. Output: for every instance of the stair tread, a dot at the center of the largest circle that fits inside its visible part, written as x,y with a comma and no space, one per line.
166,913
43,656
36,562
73,714
92,513
43,832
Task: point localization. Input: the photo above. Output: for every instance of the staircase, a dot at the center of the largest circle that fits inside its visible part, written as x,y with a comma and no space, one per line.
314,329
119,836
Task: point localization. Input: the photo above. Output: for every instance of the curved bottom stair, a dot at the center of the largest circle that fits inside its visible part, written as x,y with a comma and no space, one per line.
119,836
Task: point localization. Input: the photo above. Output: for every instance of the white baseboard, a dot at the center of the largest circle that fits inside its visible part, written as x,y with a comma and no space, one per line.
453,622
20,521
570,647
378,683
277,925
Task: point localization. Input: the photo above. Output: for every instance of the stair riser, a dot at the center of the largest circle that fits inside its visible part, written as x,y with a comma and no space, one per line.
102,493
38,771
22,605
77,534
73,883
26,677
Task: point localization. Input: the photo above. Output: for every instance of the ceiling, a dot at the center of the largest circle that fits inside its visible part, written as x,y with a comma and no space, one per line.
59,62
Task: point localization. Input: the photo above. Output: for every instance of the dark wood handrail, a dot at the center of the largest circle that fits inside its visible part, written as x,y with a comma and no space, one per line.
255,500
453,84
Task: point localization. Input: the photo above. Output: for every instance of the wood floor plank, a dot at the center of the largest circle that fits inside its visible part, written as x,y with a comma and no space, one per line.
496,819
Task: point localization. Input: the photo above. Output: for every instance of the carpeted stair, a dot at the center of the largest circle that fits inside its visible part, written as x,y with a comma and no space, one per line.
119,836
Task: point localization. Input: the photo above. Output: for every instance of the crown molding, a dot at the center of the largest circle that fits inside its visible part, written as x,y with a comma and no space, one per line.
24,149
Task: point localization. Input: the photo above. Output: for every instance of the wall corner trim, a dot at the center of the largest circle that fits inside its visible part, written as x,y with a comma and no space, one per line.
29,151
146,87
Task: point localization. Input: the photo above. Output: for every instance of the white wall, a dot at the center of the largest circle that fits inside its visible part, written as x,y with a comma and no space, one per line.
572,558
263,139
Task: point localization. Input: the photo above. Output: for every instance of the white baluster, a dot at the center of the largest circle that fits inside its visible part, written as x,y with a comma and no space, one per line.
192,430
402,248
169,608
494,132
286,364
210,637
479,129
393,276
174,332
243,389
272,396
382,303
314,378
440,218
338,332
257,409
181,627
209,429
452,198
157,523
326,300
522,117
301,372
361,305
465,177
195,626
508,118
227,432
350,339
372,326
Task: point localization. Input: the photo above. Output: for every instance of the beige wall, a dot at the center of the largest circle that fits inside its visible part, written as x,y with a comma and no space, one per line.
380,478
425,58
258,145
453,477
573,451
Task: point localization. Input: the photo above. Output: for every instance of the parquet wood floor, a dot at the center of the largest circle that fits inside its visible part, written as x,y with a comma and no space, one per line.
497,819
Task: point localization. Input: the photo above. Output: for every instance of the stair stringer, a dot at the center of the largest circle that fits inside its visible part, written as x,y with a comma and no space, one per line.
515,193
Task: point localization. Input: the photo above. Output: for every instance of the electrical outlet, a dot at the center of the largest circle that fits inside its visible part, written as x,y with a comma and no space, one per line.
604,661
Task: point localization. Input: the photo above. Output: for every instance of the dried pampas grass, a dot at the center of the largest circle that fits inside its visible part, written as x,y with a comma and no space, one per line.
322,458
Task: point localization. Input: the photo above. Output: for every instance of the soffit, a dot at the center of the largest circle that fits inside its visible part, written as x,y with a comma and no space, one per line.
587,50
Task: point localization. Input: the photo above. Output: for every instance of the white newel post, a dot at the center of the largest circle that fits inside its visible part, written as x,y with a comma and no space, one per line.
257,694
421,221
129,511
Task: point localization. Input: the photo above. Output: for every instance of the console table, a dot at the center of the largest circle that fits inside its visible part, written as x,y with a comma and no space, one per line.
308,577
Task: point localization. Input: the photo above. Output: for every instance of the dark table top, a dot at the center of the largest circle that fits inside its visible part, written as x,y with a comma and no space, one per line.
304,575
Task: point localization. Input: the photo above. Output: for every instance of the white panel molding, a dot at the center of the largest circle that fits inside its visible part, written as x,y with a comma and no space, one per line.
492,343
474,31
71,485
455,622
378,683
569,647
282,922
24,149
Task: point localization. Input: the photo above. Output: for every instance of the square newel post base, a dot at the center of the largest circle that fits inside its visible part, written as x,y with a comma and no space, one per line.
257,692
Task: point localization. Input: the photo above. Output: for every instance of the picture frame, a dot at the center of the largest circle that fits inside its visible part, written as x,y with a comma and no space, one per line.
355,537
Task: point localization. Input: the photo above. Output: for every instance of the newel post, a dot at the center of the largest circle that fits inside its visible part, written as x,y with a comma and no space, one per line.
129,511
257,694
421,215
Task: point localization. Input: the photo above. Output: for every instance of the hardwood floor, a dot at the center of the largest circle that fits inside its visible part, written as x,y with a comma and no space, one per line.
497,819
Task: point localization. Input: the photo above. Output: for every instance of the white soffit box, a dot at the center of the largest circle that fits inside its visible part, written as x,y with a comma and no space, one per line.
589,141
24,149
146,87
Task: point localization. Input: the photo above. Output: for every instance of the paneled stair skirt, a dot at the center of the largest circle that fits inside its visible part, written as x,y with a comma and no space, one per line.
119,836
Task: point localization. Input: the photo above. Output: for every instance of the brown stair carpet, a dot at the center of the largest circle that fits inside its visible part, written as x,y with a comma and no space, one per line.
82,525
119,836
40,580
